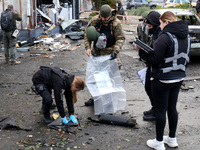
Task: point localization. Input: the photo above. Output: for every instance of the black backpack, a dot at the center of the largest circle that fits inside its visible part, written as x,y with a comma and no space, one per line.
7,20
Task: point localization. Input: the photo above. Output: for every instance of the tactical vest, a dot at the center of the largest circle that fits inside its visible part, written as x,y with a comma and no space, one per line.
47,74
174,64
107,31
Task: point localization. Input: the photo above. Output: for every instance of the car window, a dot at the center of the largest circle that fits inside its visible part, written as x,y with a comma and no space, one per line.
144,1
137,0
184,1
192,20
177,1
169,1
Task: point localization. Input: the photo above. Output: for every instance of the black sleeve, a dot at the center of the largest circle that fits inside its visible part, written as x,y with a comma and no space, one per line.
161,47
69,99
58,93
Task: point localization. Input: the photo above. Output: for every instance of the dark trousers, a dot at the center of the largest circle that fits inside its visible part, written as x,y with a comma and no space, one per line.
46,100
165,96
148,86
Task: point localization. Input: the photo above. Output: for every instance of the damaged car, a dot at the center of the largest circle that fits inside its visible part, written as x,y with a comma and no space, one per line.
182,14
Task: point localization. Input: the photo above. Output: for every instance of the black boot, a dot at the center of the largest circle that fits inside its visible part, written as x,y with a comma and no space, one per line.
46,113
151,117
53,106
90,102
151,111
47,118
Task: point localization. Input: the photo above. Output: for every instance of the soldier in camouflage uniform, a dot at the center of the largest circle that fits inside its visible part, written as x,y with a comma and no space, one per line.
106,22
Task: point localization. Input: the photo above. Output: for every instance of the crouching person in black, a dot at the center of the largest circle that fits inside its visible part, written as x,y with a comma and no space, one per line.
47,79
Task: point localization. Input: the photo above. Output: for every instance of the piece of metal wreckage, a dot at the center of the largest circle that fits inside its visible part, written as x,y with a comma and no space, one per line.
116,120
75,35
28,43
74,29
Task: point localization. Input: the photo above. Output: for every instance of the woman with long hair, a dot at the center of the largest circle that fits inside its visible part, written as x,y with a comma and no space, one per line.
63,84
169,59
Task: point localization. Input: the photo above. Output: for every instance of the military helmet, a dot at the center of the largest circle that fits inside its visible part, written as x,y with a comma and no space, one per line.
92,34
105,11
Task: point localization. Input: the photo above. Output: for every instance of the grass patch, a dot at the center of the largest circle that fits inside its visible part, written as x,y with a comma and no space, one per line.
183,6
141,11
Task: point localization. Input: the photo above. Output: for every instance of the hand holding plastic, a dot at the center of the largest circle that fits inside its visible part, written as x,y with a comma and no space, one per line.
113,56
64,120
73,119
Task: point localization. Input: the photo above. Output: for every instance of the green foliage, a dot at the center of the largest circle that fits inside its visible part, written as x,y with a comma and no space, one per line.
159,7
109,2
170,7
99,3
30,148
183,6
92,15
141,11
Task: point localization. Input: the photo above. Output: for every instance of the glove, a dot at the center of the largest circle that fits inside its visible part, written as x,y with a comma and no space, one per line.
73,119
113,56
64,120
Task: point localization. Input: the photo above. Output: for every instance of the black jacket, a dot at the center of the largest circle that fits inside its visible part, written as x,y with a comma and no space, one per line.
153,19
154,33
58,85
162,47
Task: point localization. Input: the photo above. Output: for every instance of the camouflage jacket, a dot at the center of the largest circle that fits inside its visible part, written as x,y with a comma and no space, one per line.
116,31
16,17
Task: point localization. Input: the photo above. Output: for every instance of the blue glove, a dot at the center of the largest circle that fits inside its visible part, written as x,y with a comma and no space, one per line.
64,120
113,56
73,119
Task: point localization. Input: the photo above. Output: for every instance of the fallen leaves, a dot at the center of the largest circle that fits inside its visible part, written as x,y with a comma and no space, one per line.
127,140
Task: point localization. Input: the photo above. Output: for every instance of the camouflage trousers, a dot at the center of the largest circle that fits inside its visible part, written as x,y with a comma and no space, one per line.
9,46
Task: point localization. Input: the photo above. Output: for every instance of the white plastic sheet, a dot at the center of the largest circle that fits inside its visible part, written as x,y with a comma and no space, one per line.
142,75
105,85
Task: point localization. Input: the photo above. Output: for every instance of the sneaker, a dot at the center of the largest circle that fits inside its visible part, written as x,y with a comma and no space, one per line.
156,144
171,142
150,117
90,102
151,111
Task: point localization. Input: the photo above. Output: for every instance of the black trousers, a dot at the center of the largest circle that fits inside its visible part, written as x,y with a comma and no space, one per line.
46,100
148,86
165,96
